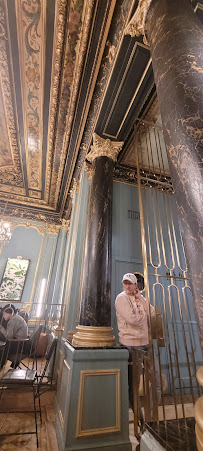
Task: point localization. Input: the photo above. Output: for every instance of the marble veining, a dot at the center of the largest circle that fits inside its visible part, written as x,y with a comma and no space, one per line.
95,298
176,40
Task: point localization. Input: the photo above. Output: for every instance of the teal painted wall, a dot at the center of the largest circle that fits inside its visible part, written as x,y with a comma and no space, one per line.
75,254
45,252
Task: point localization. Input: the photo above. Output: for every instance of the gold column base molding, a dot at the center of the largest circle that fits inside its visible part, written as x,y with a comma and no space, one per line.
93,337
70,335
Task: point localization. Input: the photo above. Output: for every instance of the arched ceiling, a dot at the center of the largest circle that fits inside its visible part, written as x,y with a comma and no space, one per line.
67,70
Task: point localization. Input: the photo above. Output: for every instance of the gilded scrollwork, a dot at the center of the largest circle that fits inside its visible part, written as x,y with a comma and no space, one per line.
148,179
31,40
52,229
9,142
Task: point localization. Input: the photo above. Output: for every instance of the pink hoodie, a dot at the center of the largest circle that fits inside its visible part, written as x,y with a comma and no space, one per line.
132,320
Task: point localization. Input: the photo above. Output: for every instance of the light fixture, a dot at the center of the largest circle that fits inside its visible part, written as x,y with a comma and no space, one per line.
5,230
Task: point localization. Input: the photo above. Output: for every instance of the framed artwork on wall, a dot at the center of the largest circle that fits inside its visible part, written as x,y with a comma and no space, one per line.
13,279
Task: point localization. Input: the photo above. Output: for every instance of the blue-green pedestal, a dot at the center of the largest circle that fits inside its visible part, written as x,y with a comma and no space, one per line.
92,400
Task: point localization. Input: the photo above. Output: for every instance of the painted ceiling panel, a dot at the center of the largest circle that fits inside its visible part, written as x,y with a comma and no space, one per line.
67,70
31,29
11,174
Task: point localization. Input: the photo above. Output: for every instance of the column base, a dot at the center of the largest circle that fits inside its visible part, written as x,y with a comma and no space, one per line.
93,337
92,400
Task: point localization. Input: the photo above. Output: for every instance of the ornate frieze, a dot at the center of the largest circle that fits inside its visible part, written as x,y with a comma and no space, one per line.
136,26
104,148
149,179
29,215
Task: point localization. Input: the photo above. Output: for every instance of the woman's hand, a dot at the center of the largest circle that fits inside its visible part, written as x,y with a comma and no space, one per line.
137,294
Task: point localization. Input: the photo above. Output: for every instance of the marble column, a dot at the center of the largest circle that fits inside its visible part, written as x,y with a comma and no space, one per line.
175,37
95,318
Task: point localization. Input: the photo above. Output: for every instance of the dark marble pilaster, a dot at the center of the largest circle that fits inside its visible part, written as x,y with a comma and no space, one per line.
175,37
96,284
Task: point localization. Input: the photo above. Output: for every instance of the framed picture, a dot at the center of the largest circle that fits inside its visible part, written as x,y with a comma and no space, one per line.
13,279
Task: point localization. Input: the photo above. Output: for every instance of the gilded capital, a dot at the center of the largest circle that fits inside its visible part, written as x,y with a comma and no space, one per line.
136,26
65,224
104,148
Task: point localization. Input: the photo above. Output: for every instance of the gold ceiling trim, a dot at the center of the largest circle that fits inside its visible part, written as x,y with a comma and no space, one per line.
35,194
92,82
15,189
59,31
31,30
80,55
25,201
111,57
7,95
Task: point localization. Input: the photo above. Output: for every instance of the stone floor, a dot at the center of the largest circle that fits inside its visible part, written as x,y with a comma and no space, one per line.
21,422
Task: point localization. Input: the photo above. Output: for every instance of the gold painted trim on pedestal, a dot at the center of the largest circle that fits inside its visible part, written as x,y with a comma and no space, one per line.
105,430
70,335
93,337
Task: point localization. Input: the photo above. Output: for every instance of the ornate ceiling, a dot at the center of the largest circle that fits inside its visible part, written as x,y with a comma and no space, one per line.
66,70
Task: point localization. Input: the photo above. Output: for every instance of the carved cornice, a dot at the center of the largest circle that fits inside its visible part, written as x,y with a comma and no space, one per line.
74,188
148,179
136,26
104,148
89,170
53,229
28,214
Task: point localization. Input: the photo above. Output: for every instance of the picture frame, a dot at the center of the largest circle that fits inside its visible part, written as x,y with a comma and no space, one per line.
13,279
